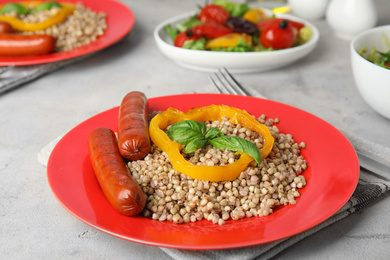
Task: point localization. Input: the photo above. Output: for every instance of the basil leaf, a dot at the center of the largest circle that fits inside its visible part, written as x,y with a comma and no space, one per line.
235,143
46,6
195,126
184,135
189,133
213,133
14,7
194,135
195,145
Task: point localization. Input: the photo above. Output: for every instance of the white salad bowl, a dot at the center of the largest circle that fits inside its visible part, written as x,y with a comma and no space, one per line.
372,81
236,62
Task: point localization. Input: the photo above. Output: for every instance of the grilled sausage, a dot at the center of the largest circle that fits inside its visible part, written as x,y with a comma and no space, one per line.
5,28
26,45
133,133
124,193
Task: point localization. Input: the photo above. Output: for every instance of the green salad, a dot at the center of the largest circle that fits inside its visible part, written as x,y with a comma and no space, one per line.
379,58
236,27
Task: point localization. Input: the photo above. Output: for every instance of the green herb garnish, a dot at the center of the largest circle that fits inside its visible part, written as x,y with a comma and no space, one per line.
46,6
194,135
14,7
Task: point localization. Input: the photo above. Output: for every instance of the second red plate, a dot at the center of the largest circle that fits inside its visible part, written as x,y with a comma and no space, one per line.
120,21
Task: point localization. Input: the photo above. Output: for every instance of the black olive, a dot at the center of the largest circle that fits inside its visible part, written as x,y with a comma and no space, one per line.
283,24
189,33
240,25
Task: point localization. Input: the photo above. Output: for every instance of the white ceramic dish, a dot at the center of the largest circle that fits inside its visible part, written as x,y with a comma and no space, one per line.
372,80
309,9
236,62
347,18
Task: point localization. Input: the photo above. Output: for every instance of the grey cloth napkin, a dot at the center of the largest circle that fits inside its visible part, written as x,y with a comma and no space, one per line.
18,76
370,187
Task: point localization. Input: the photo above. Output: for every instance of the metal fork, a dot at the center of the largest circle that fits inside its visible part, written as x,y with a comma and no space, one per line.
6,68
225,83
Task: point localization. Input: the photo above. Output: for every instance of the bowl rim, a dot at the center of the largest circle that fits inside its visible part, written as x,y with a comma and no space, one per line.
160,28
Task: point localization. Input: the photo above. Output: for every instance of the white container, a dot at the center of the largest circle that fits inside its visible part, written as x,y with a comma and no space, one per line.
372,81
309,9
347,18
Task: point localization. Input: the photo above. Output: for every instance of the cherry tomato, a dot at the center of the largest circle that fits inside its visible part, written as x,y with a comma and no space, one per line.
387,64
296,25
278,35
213,13
210,30
182,37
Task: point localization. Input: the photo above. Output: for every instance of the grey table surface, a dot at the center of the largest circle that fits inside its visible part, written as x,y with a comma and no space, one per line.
35,226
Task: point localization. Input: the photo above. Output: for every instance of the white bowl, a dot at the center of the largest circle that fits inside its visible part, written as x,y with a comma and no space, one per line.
372,80
236,62
309,9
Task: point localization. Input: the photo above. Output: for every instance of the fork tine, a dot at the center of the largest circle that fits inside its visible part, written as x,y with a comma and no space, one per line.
215,84
224,82
5,69
233,82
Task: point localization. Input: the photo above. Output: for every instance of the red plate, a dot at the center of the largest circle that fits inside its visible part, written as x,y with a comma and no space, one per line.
332,176
120,21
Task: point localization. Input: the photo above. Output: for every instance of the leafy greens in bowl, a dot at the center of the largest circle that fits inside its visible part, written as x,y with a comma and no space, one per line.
370,69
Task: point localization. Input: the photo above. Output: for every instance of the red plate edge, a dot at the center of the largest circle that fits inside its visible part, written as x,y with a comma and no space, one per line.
314,217
120,21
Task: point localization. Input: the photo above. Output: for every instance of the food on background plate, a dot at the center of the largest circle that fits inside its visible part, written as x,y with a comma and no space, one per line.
216,163
71,25
235,27
25,45
379,58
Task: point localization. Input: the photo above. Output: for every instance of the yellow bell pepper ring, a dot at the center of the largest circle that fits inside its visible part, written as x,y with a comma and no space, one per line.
19,25
255,15
228,40
209,113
